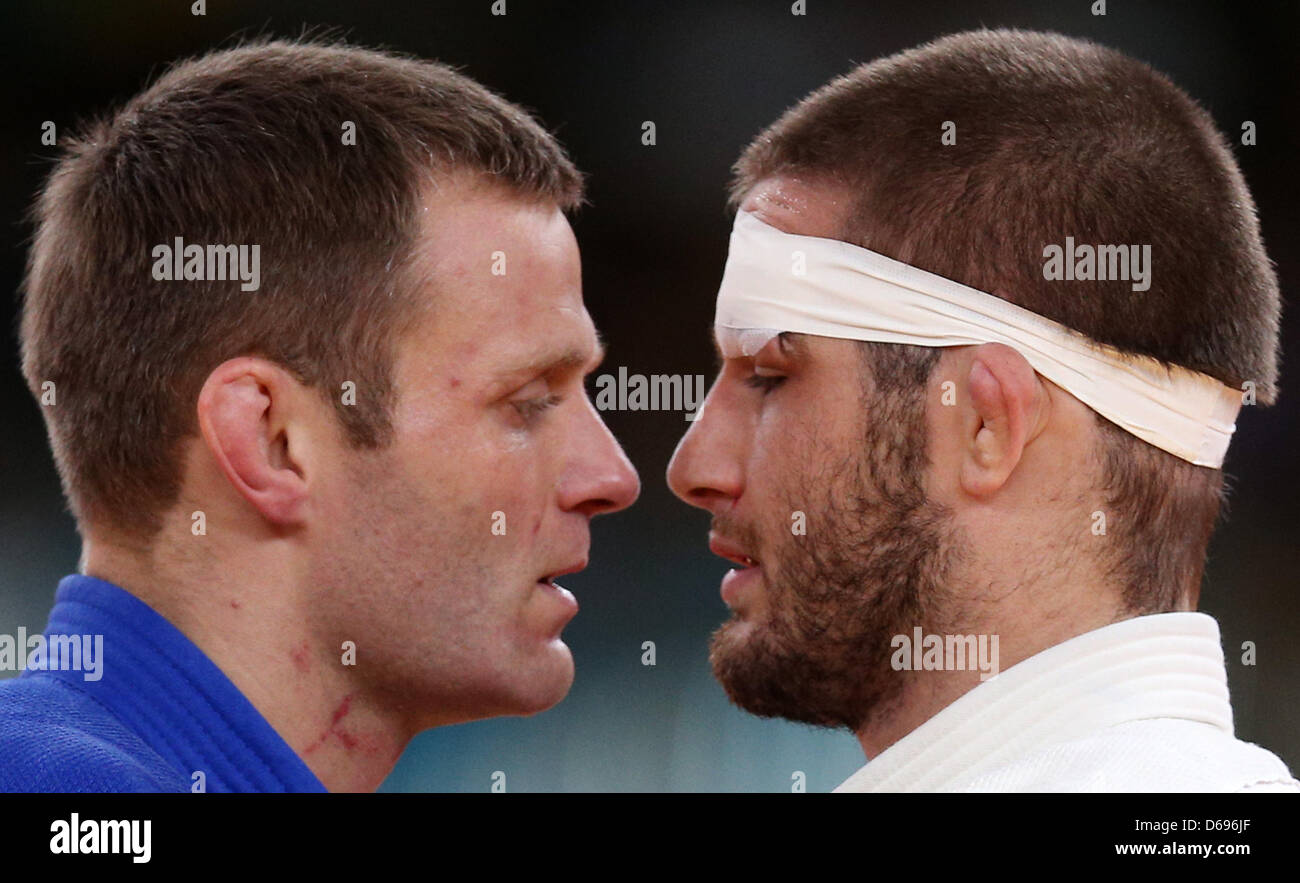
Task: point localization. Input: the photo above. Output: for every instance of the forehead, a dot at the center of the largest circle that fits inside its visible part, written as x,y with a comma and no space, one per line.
500,282
802,205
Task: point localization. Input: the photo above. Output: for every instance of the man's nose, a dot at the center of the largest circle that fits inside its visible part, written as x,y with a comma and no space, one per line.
601,478
707,469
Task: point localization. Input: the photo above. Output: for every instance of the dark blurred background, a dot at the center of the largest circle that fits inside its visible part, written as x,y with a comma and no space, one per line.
710,75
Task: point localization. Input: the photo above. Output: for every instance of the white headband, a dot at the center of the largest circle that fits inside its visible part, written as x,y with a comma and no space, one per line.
777,282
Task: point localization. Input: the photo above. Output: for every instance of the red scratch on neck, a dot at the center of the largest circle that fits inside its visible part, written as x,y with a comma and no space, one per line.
347,739
342,710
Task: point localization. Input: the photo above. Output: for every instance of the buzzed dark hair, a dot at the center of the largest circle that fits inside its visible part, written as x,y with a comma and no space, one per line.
1058,137
250,146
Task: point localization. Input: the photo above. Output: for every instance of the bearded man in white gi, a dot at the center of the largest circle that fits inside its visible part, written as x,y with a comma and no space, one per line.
990,312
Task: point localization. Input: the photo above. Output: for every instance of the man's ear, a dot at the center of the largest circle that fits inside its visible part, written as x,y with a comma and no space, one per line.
251,419
1011,406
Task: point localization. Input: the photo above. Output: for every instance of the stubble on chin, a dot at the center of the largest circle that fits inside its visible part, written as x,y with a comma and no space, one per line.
871,566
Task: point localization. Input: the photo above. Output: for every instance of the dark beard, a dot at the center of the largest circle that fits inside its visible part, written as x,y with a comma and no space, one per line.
822,654
873,565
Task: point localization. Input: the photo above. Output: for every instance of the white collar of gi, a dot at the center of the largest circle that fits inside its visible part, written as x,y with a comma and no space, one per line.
1166,665
776,281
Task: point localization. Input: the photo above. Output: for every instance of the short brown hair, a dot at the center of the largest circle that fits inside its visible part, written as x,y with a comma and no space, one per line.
1060,137
246,145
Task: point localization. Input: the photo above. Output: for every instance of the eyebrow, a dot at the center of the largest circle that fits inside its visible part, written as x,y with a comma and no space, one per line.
572,359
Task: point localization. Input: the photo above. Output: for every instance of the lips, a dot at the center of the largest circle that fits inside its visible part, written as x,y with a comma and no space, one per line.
738,584
576,566
732,551
556,603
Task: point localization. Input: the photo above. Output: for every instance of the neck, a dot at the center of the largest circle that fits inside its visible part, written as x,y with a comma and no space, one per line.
928,691
252,621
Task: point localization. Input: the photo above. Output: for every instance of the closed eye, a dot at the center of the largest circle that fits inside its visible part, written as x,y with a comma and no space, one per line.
531,409
764,382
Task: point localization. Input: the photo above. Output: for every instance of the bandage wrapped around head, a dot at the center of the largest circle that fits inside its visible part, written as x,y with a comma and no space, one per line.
776,282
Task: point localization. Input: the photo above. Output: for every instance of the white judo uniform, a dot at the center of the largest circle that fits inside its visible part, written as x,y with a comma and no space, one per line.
1139,705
